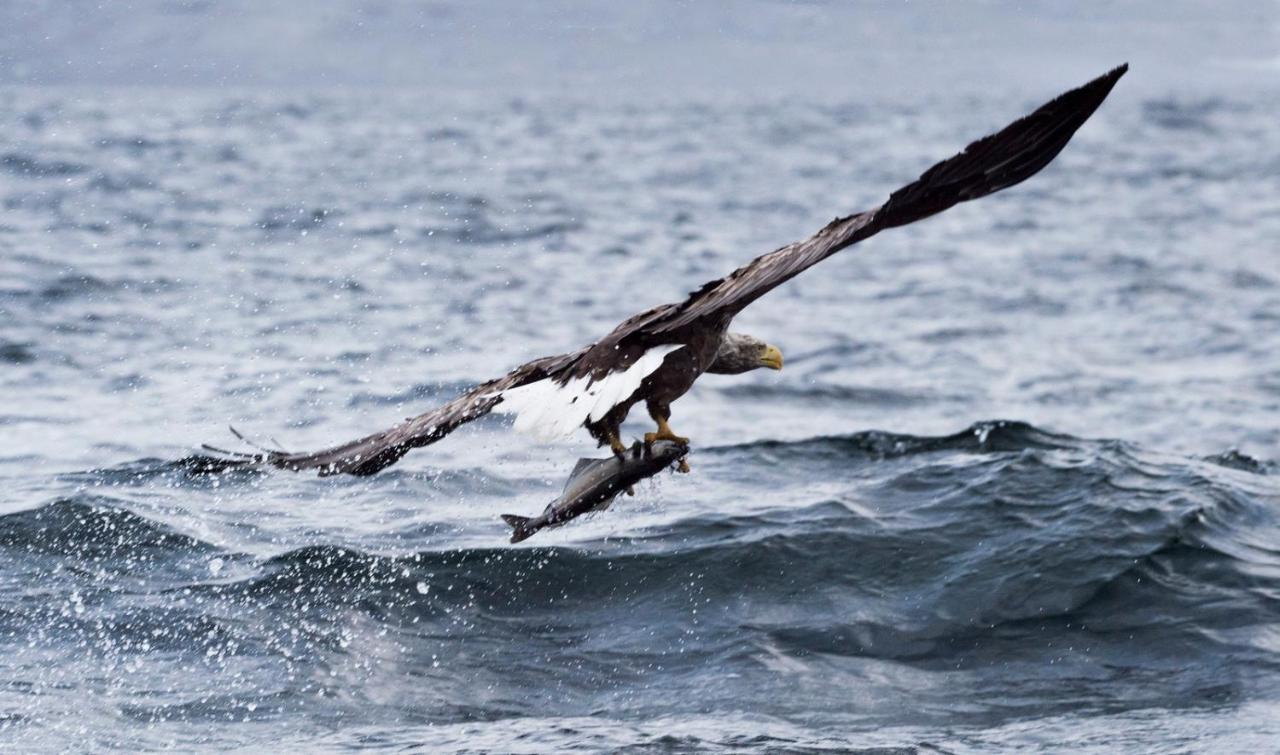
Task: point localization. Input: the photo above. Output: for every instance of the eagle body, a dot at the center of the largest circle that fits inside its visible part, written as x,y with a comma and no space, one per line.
698,347
656,356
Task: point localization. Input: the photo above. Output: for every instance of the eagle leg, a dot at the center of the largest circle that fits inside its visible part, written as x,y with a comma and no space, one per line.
615,444
664,430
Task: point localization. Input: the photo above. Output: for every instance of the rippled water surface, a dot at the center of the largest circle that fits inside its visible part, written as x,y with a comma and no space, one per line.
864,556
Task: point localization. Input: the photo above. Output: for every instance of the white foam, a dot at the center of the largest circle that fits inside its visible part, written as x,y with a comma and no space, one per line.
548,410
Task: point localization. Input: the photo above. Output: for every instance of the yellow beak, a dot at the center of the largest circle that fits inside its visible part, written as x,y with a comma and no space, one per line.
771,358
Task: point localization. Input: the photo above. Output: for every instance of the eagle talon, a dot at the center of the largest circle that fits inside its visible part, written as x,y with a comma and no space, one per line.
651,438
683,466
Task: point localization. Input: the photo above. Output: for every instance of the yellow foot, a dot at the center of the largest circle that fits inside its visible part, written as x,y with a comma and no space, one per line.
649,438
664,433
616,445
683,466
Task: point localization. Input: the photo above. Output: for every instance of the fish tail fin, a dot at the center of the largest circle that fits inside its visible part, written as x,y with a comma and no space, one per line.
520,528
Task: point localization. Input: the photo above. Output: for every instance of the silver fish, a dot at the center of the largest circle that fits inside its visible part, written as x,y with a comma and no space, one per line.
594,483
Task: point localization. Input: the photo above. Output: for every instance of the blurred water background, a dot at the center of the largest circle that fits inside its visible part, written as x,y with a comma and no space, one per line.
1016,487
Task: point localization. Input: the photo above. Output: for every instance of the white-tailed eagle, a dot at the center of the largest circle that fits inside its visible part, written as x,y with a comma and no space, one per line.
656,355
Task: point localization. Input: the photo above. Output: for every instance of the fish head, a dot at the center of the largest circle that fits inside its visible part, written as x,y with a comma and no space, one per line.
662,453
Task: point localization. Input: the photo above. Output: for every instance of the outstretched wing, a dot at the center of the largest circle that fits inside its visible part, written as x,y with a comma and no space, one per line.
986,166
373,453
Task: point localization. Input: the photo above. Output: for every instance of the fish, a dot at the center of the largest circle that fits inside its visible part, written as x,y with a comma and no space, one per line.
594,483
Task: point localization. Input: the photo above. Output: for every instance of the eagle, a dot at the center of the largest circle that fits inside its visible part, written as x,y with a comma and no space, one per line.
655,356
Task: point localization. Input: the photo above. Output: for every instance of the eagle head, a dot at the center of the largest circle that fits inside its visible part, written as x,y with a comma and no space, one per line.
740,352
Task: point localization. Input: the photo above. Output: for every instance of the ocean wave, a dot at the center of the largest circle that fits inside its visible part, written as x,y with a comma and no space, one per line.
295,219
992,436
93,528
16,352
417,394
1235,459
30,166
825,392
936,548
976,554
950,544
195,471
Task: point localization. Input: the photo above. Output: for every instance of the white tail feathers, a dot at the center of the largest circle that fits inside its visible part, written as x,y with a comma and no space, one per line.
548,410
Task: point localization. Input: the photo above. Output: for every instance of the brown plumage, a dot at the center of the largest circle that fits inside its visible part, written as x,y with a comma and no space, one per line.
699,324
